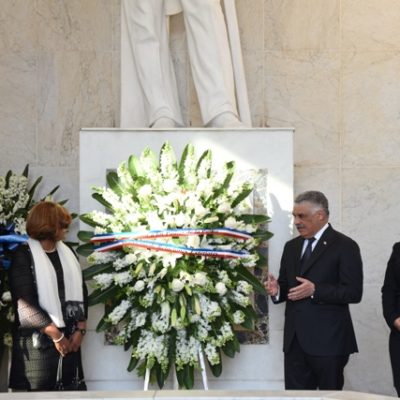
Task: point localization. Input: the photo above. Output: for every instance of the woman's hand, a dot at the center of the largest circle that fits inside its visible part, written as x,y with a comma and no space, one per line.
75,341
63,346
61,343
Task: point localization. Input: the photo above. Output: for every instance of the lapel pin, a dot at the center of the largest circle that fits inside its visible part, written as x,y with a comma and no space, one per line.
324,243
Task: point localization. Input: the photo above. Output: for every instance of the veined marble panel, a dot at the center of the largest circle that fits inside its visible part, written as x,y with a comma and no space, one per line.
251,24
253,61
373,338
371,215
18,27
18,89
75,91
370,25
74,24
370,108
301,24
302,90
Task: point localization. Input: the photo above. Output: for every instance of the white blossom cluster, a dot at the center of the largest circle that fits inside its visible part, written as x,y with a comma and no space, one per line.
193,300
187,349
152,347
14,196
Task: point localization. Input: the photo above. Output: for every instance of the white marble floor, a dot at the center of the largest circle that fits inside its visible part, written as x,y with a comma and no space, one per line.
195,395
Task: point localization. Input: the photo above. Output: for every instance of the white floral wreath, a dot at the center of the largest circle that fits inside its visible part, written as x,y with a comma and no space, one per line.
169,258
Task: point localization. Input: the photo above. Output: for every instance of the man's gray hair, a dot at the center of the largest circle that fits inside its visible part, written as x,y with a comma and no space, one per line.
314,197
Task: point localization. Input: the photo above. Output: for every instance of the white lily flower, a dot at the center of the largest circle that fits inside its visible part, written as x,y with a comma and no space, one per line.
221,288
177,285
139,286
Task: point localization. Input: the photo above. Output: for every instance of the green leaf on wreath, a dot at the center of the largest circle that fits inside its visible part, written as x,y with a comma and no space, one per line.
33,188
53,191
187,152
133,340
103,324
113,183
205,158
250,278
216,369
98,197
85,236
236,343
141,369
229,349
254,218
160,375
87,219
99,296
241,196
149,159
25,173
93,270
188,376
85,249
262,235
248,323
132,363
262,261
230,168
180,376
134,167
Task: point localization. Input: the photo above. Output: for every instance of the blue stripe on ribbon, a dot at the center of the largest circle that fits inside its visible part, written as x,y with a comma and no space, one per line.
181,249
9,242
170,232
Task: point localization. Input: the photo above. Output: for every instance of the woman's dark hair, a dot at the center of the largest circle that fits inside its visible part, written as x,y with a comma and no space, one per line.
47,220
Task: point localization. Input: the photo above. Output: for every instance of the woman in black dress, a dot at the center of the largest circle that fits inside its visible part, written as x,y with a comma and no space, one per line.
50,301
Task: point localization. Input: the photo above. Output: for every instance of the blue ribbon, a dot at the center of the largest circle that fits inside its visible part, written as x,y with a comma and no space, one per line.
8,242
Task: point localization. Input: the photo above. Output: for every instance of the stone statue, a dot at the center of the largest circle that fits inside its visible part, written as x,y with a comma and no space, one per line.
157,105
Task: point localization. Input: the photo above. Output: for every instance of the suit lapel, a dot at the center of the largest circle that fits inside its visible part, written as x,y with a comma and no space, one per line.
327,238
298,247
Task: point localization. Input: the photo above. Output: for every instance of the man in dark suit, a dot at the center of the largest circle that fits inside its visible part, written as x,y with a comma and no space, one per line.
391,311
320,275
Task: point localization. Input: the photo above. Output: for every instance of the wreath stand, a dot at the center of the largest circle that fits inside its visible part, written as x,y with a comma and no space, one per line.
176,385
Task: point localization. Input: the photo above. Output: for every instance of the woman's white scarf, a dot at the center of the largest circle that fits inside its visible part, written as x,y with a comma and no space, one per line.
46,279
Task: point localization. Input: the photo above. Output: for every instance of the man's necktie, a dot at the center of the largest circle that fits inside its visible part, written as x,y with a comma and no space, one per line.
306,254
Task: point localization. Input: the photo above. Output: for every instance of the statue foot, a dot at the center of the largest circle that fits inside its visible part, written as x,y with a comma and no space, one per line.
225,120
164,122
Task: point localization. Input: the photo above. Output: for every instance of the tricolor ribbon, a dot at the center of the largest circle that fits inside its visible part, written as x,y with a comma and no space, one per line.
8,242
135,239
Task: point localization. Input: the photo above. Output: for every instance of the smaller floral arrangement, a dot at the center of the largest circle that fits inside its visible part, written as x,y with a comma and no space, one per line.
16,199
170,258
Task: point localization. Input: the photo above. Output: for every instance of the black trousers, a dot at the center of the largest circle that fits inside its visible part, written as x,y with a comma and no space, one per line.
394,351
306,372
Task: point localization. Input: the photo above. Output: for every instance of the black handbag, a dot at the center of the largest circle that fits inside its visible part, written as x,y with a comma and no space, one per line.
78,382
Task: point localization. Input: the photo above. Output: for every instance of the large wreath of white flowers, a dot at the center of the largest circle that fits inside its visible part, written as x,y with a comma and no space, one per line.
170,258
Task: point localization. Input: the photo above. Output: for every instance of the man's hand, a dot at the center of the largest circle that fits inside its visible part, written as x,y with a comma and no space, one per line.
396,323
304,290
271,285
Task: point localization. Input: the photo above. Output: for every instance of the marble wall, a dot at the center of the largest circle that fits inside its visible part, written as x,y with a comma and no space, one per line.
329,68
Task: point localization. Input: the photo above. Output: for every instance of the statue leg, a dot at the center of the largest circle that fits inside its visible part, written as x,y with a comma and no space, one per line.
146,23
210,61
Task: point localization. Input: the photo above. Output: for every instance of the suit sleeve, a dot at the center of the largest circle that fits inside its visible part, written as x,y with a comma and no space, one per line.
391,287
282,279
347,287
